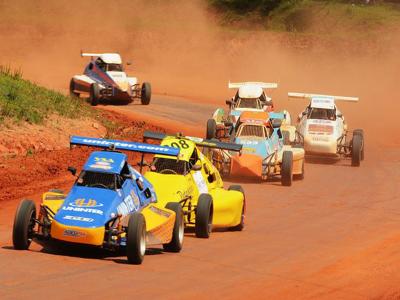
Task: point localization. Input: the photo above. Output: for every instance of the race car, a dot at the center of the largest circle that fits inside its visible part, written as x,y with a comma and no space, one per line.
264,154
110,205
104,79
250,96
193,181
323,130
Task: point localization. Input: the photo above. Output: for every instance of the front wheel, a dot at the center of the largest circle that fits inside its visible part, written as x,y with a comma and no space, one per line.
145,96
211,129
360,132
240,226
72,92
24,224
287,168
356,150
175,245
204,216
94,94
136,239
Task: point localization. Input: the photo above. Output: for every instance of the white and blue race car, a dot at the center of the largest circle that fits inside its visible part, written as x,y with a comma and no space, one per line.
104,79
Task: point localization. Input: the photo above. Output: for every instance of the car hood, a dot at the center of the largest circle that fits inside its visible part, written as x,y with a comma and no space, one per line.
254,145
168,187
88,207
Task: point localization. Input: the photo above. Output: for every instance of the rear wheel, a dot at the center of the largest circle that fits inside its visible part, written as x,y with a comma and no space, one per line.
204,216
24,224
94,94
356,149
175,245
360,132
72,92
146,93
240,226
136,238
287,168
211,129
300,176
286,137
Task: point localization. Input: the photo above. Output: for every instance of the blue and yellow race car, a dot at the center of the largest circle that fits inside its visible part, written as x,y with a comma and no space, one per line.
110,205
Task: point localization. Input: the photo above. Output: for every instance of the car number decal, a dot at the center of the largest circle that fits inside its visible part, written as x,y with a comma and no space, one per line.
200,182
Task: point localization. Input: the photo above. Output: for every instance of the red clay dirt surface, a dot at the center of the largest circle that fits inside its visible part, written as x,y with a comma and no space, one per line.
335,235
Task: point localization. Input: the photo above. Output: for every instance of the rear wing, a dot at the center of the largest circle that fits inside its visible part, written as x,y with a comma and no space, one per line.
198,141
310,96
123,145
263,85
90,54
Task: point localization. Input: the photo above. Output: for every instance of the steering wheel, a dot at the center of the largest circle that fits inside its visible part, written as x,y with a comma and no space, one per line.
168,171
98,185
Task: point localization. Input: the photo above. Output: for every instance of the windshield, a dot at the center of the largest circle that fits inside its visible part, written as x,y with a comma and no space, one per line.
249,103
321,114
253,130
170,166
97,179
114,67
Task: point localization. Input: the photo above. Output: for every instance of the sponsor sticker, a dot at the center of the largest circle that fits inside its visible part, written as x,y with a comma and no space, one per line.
83,209
76,218
74,233
82,202
159,211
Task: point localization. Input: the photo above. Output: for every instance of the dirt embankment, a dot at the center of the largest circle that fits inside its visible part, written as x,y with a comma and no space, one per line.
41,169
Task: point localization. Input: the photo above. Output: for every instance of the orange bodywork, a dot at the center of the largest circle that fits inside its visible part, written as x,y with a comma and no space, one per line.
247,165
254,117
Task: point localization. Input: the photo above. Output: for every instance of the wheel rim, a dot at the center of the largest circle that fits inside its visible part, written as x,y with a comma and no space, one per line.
181,232
143,243
209,225
31,226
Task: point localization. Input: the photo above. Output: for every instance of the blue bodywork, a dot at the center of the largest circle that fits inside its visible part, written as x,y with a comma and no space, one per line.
94,206
262,147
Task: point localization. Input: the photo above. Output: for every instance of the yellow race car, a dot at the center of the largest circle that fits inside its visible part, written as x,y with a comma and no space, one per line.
192,180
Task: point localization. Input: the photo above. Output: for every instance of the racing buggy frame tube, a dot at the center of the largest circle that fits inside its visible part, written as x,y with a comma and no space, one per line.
309,96
123,145
263,85
150,135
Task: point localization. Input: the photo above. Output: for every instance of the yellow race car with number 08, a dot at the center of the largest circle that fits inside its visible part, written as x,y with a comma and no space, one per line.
192,180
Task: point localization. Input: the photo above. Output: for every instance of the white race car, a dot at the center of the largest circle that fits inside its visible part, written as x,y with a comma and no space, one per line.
323,131
104,78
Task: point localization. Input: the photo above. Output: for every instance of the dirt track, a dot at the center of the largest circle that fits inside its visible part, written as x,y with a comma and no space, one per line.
333,236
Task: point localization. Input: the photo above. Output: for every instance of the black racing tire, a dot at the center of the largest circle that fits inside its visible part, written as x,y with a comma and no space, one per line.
176,243
204,216
136,238
145,95
240,226
300,176
286,137
72,88
356,150
24,224
211,131
94,94
287,168
360,132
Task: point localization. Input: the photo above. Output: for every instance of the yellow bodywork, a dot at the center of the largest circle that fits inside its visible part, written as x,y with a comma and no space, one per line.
227,205
159,224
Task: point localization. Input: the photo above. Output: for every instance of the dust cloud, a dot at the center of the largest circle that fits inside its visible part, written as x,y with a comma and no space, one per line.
182,50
